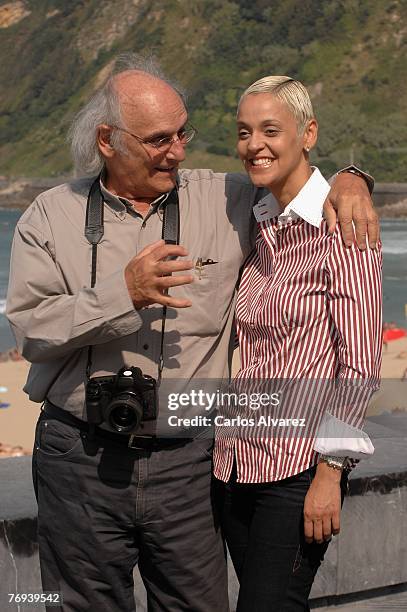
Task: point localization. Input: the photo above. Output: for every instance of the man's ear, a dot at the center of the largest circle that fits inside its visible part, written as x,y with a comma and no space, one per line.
103,137
310,136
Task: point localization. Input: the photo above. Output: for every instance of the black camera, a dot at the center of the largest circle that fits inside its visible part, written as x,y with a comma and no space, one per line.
122,401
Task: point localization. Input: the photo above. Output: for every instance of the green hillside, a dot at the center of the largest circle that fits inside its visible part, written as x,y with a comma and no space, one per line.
350,53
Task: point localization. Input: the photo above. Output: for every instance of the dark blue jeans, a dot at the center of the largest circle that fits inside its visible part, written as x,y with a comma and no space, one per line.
103,508
264,530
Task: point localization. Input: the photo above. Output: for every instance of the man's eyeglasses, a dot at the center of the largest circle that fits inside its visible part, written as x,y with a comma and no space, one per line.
162,143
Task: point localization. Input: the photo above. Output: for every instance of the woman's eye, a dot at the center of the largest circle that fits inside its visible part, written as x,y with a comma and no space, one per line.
270,132
243,134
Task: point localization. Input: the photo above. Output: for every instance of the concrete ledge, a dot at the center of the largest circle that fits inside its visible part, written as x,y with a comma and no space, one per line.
389,193
17,493
19,564
370,553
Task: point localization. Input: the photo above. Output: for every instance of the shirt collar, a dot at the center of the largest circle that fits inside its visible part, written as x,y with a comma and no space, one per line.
307,204
120,205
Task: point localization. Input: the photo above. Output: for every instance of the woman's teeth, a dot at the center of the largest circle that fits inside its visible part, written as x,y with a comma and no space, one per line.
265,162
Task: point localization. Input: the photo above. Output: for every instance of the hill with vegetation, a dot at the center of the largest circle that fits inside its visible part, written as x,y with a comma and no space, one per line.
350,53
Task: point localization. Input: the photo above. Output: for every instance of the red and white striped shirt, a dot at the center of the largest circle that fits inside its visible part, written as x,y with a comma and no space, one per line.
308,309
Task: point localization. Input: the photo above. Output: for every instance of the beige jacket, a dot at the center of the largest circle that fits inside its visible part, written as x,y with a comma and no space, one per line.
55,315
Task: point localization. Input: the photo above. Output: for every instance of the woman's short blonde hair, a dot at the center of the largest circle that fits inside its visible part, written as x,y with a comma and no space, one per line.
288,90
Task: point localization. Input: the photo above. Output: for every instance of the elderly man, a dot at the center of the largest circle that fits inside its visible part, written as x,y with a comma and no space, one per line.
111,494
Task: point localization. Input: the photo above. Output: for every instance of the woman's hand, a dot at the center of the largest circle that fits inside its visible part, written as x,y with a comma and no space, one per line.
322,506
349,201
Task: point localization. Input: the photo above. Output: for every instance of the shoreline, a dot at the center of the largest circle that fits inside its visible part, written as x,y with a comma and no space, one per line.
19,193
389,211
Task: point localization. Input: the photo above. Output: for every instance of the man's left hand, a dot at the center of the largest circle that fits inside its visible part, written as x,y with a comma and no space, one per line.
322,506
350,197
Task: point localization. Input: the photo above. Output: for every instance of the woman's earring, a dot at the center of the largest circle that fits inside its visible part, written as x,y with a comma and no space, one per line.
307,149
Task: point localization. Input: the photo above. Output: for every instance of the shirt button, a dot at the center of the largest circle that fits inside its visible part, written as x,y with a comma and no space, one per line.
145,347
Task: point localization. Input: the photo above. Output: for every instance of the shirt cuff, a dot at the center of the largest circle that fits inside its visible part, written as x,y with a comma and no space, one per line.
334,437
116,305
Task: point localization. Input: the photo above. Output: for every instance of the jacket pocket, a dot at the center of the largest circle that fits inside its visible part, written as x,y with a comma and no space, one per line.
204,317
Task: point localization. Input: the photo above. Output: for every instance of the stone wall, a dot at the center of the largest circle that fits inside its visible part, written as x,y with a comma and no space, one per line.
370,552
389,193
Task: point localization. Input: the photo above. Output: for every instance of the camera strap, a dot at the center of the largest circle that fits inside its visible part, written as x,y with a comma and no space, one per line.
94,231
170,235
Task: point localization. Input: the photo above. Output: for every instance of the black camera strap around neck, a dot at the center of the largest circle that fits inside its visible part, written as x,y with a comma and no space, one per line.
94,230
170,235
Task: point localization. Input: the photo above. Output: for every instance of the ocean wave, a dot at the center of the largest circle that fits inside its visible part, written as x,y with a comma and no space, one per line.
398,224
395,249
394,242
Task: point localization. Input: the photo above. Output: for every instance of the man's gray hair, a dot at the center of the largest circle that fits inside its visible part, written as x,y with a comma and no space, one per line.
104,108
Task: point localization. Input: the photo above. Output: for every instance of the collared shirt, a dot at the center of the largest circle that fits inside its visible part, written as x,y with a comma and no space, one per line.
308,309
55,315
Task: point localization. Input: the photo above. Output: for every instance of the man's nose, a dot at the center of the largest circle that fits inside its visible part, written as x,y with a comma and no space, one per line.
177,150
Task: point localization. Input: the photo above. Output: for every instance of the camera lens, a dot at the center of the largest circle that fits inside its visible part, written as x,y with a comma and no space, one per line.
125,413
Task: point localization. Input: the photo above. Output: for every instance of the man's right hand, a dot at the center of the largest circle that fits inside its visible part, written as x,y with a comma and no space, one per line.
148,275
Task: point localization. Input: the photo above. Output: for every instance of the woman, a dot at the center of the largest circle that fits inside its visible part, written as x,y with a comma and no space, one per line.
308,309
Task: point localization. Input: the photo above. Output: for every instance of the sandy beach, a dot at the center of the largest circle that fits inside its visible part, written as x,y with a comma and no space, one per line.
17,420
18,414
